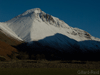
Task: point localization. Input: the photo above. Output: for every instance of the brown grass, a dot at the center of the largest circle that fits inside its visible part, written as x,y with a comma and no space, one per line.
50,64
9,40
6,49
6,43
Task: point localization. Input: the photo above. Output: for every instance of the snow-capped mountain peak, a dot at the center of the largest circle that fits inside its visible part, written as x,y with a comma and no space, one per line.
38,14
35,24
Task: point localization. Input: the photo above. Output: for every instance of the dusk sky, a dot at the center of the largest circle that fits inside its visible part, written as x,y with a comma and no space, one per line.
83,14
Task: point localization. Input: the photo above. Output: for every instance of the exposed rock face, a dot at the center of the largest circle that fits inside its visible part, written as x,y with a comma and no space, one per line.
87,35
81,33
46,17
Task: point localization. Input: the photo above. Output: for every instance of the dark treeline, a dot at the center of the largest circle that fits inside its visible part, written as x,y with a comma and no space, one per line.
49,53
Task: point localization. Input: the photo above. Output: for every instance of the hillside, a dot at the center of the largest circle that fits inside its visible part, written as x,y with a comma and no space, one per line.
6,45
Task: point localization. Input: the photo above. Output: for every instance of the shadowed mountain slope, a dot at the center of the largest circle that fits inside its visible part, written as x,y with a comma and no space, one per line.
66,49
64,43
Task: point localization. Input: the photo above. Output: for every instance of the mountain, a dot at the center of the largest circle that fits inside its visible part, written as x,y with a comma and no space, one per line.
35,25
36,32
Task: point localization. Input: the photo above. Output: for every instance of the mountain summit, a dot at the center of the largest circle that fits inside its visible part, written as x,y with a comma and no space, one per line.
35,10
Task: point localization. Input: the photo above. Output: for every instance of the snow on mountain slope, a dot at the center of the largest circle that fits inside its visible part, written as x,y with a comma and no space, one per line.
34,24
7,31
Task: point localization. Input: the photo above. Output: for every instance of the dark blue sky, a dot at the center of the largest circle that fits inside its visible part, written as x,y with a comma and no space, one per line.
84,14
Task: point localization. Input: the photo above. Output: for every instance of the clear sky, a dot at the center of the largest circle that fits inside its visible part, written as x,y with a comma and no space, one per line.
84,14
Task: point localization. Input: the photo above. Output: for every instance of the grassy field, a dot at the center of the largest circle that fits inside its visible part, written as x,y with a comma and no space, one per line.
44,67
51,64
